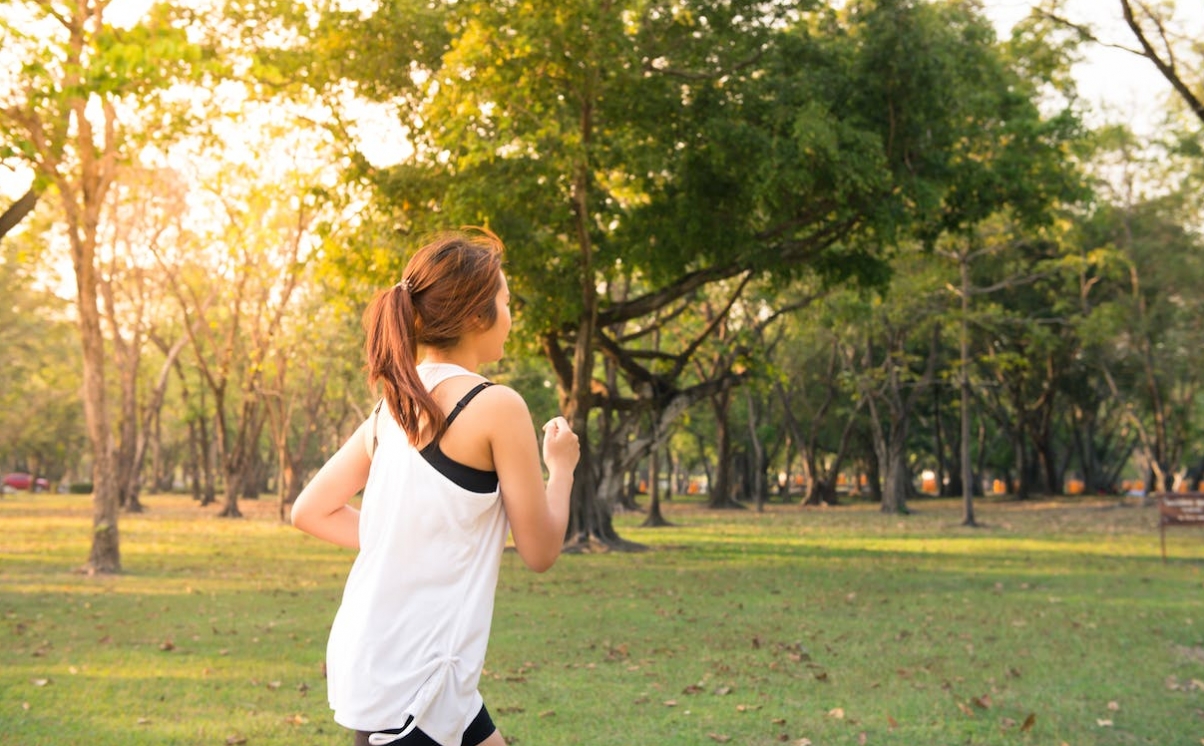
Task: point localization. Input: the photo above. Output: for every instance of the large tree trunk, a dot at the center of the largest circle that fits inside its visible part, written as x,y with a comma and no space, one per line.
812,491
896,487
891,458
105,554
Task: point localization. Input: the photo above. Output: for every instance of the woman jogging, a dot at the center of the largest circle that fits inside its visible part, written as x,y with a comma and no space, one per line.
447,462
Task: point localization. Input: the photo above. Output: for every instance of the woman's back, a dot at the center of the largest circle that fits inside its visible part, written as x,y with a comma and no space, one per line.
411,633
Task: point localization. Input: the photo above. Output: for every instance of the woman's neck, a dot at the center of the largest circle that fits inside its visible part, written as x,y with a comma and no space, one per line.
450,357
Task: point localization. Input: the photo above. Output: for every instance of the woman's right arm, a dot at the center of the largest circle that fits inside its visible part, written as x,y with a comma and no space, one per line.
321,509
538,514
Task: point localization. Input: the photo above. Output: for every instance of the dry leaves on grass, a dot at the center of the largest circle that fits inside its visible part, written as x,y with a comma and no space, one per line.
1007,724
1191,685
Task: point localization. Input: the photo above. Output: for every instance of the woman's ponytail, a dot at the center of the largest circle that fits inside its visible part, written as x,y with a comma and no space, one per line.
391,348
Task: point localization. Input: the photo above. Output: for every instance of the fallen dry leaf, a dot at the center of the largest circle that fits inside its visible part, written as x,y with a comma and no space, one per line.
1103,723
235,740
984,701
1113,706
718,738
1029,722
890,721
836,712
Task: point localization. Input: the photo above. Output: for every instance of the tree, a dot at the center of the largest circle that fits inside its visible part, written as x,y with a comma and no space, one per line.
234,308
146,208
900,349
1019,268
575,107
1145,329
307,391
73,115
813,375
675,147
41,428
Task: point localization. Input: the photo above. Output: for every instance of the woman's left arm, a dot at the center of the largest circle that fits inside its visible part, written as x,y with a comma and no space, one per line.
321,509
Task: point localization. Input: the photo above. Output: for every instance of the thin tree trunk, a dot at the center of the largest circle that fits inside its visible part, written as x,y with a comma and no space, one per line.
967,476
756,456
721,489
655,518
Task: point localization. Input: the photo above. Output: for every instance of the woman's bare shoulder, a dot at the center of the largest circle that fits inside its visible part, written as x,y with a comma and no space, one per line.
504,400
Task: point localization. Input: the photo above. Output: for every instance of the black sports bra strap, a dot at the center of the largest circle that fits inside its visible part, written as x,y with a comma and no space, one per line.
464,402
375,417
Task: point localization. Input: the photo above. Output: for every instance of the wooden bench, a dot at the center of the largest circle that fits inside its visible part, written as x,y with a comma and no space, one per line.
1179,509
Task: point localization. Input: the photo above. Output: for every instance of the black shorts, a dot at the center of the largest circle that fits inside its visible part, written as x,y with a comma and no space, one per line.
478,730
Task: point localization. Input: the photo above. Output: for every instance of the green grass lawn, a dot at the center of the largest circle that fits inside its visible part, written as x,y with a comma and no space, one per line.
1057,622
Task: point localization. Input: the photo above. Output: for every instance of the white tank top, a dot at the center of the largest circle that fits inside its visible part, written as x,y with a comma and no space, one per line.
409,638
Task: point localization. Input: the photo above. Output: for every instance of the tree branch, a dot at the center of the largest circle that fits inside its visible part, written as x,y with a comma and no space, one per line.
17,211
1166,67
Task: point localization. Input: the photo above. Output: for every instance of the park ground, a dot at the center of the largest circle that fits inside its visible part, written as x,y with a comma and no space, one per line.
1056,622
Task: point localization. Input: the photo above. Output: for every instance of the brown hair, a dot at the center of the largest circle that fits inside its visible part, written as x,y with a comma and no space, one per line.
448,288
